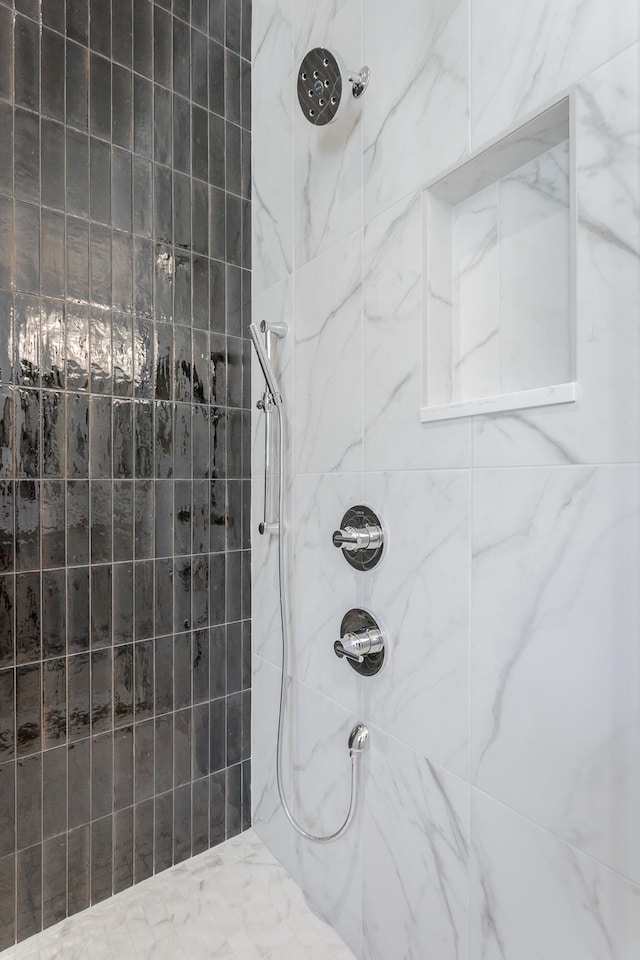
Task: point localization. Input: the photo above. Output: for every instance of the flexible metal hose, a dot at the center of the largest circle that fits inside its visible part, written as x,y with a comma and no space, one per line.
284,621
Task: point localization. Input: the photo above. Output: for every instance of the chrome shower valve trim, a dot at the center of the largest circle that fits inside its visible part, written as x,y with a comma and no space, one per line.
356,646
359,538
362,642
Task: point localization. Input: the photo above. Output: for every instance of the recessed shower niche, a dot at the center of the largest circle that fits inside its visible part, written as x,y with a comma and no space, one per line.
499,273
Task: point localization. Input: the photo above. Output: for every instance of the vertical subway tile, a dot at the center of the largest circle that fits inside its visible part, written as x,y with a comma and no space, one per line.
182,823
122,107
122,31
144,680
29,892
7,809
163,764
27,412
101,859
54,881
102,521
101,776
217,738
79,696
28,710
181,747
123,491
233,810
143,760
79,799
142,115
27,63
77,521
163,823
29,801
54,703
122,603
54,609
28,617
54,797
6,53
200,816
217,808
100,351
123,674
7,257
77,22
163,572
7,623
77,615
7,525
100,27
123,768
123,839
101,604
7,715
79,869
77,86
101,690
52,70
143,833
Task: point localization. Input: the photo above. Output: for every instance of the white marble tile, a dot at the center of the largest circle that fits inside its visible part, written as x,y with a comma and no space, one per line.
328,361
330,874
272,142
604,424
555,626
235,902
534,897
437,302
415,114
539,49
394,438
327,163
325,585
536,338
269,820
420,592
475,271
415,856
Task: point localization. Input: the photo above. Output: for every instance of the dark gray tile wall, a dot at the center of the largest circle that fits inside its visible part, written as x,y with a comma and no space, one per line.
124,444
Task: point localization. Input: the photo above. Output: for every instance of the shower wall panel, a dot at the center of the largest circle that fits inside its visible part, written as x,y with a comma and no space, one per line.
125,151
502,779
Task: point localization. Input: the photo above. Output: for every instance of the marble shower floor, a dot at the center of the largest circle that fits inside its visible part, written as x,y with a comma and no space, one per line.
235,902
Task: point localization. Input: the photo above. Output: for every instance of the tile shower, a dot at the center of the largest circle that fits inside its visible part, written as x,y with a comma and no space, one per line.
502,780
124,444
500,788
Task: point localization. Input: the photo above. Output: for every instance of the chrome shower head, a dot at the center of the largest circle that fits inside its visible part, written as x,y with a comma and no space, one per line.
265,363
322,82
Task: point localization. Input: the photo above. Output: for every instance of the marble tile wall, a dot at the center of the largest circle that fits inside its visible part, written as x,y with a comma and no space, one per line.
502,778
124,444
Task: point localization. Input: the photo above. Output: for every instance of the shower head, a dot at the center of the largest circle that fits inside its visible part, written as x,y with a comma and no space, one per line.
322,82
265,363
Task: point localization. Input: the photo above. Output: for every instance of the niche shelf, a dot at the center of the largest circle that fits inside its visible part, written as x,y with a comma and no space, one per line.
499,269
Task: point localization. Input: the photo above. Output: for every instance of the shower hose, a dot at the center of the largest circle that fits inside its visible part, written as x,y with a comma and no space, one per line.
355,755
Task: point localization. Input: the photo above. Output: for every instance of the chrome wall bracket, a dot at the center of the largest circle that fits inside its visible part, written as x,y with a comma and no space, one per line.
360,538
361,643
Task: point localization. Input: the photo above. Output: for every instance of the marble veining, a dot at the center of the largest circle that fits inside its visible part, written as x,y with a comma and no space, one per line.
237,903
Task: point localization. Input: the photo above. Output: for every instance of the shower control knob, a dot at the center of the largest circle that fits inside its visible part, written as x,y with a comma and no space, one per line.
360,537
361,643
356,646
